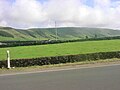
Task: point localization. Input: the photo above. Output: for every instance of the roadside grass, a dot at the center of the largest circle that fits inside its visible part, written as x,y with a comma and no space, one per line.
58,66
72,48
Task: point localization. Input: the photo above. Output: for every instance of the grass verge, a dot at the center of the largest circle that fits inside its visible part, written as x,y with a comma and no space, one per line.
58,66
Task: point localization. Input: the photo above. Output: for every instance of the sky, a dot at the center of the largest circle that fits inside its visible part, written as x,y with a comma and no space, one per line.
66,13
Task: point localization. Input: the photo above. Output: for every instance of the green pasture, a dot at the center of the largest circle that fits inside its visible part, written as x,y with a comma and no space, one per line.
61,49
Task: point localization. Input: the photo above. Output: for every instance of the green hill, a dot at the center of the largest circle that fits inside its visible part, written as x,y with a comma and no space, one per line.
8,33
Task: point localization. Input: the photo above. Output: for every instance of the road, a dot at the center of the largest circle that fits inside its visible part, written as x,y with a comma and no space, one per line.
98,78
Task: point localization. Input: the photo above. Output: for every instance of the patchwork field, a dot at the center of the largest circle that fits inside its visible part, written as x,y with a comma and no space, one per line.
64,33
61,49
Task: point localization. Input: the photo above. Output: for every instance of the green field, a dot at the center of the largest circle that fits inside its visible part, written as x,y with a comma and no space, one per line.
64,33
61,49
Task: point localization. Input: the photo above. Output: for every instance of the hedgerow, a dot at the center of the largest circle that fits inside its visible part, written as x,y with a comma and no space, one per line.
42,42
60,59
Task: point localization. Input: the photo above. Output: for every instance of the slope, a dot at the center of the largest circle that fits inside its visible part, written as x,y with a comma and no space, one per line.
8,33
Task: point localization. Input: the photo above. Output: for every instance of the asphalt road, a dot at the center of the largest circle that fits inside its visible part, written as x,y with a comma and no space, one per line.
99,78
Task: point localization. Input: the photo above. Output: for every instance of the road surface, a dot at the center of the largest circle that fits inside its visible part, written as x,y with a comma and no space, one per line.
98,78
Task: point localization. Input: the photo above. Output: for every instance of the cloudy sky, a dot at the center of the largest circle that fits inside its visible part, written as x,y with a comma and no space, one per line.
67,13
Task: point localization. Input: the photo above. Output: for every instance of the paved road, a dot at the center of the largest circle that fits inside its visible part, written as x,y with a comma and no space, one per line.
99,78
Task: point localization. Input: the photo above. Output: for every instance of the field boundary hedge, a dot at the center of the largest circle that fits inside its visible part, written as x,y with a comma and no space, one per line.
60,59
43,42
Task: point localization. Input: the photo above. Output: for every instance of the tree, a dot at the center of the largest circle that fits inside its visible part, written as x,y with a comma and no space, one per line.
86,37
95,35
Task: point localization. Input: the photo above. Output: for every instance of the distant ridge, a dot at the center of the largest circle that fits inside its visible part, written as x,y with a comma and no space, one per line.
8,33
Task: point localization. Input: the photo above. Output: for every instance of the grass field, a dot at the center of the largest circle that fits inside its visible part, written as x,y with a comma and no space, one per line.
61,49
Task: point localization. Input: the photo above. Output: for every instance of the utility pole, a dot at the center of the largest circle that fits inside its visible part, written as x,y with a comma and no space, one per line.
8,59
56,32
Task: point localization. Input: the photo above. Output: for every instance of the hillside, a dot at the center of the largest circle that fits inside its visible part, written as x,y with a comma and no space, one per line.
8,33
